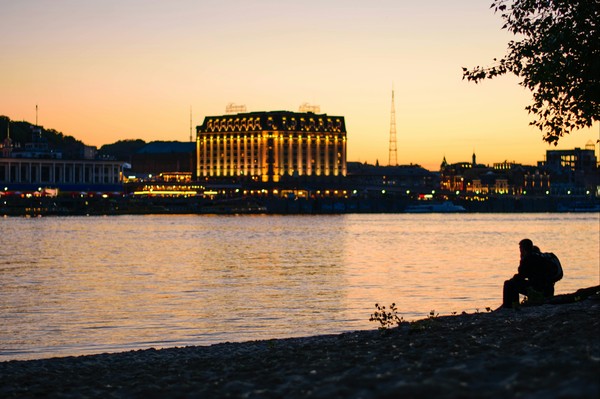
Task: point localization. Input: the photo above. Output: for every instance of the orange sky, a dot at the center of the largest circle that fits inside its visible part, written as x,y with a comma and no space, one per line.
124,69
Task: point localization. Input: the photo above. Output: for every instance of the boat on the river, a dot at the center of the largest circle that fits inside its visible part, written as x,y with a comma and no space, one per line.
444,207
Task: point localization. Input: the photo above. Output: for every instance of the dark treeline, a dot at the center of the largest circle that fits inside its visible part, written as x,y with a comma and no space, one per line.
22,132
121,150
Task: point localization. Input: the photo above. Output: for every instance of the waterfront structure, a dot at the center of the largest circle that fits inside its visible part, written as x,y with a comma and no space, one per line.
37,168
33,174
271,146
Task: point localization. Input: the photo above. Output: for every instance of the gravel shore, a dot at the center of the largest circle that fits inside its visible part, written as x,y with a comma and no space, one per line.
547,351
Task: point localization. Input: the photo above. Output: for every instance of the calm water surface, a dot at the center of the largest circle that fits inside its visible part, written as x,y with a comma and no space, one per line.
80,285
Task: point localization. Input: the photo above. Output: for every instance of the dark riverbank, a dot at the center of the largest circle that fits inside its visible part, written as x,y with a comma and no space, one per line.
548,351
127,205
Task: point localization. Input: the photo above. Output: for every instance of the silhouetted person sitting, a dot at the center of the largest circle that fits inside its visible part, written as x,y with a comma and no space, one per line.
532,278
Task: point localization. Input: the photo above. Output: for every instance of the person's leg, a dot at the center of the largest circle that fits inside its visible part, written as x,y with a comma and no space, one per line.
549,292
510,294
511,291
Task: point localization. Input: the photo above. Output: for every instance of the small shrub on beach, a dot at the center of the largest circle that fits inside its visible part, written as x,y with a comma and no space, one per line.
386,318
424,324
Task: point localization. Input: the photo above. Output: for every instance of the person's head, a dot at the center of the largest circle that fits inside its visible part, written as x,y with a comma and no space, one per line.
526,246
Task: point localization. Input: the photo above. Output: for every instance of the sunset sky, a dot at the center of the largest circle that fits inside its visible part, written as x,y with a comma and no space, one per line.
103,71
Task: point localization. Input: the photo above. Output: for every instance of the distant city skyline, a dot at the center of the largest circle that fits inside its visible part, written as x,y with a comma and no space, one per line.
128,69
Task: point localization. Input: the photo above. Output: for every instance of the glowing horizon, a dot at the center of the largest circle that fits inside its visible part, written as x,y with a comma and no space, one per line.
130,69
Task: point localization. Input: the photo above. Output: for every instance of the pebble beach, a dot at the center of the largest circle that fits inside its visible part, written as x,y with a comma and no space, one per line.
545,351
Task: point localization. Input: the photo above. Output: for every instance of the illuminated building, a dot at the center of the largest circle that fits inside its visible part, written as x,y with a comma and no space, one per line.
271,146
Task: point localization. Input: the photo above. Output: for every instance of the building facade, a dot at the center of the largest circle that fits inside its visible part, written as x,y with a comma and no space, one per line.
573,171
271,146
27,174
573,160
505,178
35,166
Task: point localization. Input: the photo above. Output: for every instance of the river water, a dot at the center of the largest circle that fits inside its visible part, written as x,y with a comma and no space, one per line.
82,285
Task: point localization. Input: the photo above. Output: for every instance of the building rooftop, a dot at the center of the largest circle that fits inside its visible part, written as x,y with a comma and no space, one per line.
274,120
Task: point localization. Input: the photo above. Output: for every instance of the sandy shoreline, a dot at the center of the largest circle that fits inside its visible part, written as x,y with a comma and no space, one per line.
548,351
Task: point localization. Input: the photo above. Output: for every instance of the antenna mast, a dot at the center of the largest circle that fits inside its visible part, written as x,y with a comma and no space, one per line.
190,123
393,158
37,126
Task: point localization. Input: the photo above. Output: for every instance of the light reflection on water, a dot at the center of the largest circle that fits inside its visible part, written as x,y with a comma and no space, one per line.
81,285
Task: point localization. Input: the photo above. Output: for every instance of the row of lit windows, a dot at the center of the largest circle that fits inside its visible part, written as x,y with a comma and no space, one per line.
254,124
284,164
223,158
285,152
290,172
285,139
284,149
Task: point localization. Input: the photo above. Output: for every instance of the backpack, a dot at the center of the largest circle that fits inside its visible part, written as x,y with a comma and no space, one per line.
553,266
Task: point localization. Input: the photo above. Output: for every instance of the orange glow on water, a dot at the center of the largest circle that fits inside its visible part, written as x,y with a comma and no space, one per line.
95,284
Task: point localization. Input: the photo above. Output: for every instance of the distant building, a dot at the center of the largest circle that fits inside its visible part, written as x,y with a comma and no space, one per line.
473,178
573,171
30,174
35,167
37,147
399,178
572,160
453,177
565,172
271,146
171,157
7,148
90,152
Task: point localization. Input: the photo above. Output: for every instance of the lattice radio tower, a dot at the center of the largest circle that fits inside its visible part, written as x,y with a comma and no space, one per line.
191,124
393,159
